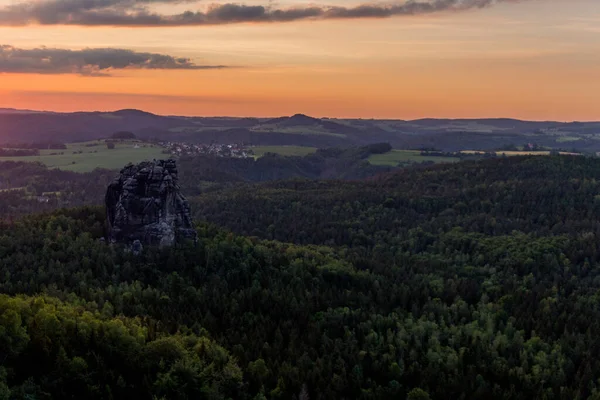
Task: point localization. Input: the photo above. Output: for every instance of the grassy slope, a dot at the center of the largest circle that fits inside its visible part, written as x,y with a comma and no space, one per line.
88,160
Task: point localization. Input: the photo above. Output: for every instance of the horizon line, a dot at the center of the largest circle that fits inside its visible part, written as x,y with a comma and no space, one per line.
25,111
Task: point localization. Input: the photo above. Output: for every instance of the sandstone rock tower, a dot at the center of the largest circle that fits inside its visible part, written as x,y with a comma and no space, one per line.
144,203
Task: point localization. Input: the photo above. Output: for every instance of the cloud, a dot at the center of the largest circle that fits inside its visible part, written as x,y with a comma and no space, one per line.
133,13
89,62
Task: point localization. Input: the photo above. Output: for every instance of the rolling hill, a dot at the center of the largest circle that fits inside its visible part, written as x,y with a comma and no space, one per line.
300,129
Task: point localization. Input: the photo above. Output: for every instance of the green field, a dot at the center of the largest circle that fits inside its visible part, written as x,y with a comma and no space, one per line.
394,157
259,151
87,156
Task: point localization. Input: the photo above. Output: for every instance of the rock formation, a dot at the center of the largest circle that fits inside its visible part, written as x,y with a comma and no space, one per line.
144,203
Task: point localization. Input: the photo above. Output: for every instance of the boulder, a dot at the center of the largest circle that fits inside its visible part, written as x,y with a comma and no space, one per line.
144,203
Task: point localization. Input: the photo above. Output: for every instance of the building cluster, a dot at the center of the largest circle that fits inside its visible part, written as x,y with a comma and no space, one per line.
219,150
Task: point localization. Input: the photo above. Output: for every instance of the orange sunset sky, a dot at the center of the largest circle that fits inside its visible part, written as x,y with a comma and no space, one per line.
530,59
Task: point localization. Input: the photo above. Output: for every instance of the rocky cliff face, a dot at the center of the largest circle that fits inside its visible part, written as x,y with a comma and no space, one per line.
144,203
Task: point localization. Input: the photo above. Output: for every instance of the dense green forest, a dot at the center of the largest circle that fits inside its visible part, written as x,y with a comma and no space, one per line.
474,280
541,195
27,187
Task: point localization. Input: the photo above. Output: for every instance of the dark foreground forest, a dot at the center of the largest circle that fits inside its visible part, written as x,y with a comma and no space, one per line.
475,280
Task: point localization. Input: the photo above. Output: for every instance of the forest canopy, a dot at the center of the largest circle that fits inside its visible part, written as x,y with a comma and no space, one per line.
474,280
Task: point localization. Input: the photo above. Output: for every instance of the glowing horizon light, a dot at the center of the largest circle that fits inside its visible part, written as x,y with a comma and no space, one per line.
529,60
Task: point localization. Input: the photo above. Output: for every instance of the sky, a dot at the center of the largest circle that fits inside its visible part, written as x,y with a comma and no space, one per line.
528,59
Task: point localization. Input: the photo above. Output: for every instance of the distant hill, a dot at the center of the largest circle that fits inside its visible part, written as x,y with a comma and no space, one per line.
15,111
295,120
300,129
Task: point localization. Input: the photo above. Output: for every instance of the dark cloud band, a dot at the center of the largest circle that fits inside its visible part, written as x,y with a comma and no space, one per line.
137,12
90,62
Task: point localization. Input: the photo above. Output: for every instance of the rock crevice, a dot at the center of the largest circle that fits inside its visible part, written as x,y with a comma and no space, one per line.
145,203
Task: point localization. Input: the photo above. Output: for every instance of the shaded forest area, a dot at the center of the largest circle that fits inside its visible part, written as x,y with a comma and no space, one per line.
27,187
474,280
200,173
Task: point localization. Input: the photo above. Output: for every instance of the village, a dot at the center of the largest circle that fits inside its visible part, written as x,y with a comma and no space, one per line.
216,149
